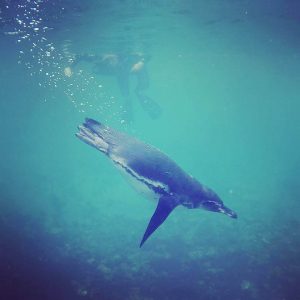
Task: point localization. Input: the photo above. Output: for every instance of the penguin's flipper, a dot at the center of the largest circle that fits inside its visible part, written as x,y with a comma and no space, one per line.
164,207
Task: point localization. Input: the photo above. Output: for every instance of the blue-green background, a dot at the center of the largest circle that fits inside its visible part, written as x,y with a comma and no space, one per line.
226,74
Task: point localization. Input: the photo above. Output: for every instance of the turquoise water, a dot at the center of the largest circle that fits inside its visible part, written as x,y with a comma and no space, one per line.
226,77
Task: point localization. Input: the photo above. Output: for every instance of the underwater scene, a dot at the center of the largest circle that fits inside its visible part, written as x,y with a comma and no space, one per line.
214,85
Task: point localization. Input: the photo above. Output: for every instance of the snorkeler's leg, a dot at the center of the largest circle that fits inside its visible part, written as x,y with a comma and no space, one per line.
148,104
127,111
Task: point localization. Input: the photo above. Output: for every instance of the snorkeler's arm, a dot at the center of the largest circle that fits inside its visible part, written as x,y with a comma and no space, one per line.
84,57
138,61
68,71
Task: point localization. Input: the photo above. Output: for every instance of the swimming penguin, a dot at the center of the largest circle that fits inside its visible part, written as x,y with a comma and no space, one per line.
153,172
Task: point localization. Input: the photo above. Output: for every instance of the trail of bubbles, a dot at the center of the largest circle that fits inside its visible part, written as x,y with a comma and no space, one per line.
30,27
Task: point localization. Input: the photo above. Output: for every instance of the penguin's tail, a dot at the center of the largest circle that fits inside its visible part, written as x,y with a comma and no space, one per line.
93,133
100,136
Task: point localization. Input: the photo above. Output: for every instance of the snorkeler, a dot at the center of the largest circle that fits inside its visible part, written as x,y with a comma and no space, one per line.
122,67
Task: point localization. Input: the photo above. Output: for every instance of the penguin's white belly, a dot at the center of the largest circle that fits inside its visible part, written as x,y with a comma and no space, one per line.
144,186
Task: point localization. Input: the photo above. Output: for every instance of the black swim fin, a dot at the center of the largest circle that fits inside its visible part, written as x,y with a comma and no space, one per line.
149,105
164,207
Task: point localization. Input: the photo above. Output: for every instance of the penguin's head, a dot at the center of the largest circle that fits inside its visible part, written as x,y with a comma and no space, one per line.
212,202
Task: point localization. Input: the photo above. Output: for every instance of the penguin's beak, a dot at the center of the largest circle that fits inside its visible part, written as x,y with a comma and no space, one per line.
229,212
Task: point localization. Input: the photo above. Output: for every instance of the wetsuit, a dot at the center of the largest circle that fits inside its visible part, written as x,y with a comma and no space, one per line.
121,66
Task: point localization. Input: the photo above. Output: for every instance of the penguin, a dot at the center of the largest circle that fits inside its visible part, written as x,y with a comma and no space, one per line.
152,172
